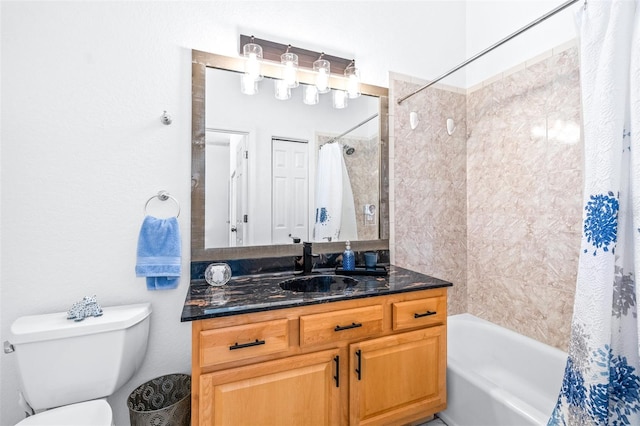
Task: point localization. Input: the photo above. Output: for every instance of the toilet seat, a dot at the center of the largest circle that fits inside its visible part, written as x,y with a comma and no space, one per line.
90,413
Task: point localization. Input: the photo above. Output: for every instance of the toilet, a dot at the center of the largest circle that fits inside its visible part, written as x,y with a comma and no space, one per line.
67,368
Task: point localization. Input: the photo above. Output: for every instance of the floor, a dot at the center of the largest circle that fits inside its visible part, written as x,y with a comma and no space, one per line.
434,422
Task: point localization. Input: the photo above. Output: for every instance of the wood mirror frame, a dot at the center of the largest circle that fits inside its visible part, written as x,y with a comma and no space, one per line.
200,62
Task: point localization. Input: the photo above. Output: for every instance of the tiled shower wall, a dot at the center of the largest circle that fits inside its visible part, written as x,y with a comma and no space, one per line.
428,181
503,222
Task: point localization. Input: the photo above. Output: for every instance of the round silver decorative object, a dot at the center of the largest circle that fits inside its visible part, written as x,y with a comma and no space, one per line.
217,274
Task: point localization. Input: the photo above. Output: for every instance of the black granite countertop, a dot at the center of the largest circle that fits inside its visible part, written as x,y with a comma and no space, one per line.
261,292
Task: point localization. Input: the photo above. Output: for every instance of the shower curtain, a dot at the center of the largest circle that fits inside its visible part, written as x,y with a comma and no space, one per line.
601,384
335,211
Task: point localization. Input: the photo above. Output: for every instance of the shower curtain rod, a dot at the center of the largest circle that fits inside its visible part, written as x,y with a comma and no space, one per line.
353,128
490,48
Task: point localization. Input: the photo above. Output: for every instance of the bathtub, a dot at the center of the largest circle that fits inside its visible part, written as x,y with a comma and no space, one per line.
496,377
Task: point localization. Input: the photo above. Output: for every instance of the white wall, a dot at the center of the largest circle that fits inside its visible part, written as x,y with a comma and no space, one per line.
491,21
83,87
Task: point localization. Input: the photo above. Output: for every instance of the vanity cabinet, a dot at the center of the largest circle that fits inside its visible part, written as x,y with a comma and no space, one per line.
378,360
398,377
299,390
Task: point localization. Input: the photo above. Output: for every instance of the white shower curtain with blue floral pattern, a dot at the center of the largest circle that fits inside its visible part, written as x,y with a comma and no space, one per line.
601,383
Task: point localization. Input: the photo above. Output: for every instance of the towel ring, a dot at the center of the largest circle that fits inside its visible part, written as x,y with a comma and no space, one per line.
163,196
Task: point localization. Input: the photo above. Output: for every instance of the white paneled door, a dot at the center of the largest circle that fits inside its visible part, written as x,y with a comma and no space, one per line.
238,205
290,189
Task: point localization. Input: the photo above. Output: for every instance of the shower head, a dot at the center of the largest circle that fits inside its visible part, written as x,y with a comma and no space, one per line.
349,149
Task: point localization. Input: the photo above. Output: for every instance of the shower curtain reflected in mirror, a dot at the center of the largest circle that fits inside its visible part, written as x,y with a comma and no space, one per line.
335,218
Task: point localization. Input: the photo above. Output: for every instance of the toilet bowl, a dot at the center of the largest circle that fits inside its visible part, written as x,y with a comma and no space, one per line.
68,367
90,413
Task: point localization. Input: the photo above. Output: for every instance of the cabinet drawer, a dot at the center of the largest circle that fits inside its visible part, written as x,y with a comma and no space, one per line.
243,341
345,324
419,313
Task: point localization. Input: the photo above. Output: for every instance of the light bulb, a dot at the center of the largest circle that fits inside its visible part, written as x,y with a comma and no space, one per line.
353,87
322,81
353,80
339,99
290,73
253,67
282,90
310,95
322,67
248,84
253,53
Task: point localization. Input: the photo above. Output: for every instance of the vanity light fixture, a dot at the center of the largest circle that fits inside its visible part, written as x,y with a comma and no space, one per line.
322,67
253,52
262,55
290,73
353,79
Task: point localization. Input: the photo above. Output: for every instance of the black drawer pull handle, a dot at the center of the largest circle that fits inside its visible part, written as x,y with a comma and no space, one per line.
426,314
359,367
336,359
247,345
347,327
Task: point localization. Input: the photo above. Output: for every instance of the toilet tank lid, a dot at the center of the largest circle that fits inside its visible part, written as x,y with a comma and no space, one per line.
34,328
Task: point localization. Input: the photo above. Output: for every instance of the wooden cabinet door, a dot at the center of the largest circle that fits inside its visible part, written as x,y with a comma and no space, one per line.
399,378
301,390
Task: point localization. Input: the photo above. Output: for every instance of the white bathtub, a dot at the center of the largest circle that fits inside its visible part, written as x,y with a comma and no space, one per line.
496,377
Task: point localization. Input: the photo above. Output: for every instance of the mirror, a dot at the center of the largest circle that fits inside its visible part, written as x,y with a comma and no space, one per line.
255,159
261,151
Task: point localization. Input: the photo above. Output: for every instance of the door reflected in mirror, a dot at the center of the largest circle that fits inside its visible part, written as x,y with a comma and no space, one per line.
225,205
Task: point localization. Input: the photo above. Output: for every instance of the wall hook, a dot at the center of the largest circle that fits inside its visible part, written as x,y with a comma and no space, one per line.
166,119
451,126
413,120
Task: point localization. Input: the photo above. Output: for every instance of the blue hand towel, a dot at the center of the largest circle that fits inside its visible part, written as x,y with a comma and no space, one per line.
159,253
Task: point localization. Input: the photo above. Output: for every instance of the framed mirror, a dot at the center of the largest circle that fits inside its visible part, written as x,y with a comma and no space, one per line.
256,176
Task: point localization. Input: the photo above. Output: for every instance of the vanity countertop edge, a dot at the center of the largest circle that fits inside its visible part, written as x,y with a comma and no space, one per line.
245,294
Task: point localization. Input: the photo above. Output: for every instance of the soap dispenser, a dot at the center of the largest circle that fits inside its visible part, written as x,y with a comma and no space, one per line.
348,258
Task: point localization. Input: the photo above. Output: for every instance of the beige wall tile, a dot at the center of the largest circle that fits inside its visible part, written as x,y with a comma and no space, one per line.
496,207
430,187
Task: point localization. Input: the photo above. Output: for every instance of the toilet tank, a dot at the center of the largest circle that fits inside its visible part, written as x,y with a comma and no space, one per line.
62,361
